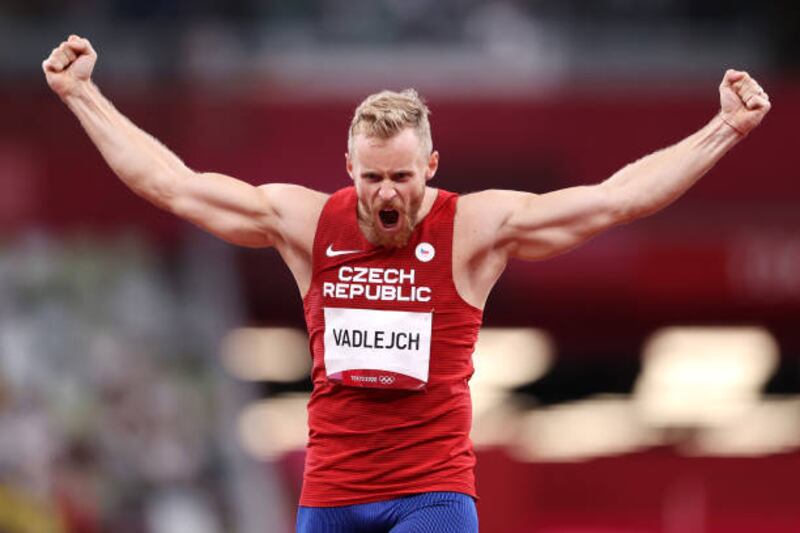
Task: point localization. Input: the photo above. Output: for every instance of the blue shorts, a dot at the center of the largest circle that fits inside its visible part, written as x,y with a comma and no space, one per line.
435,512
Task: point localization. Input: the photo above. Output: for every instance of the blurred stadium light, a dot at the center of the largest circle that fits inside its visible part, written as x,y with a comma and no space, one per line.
769,427
599,426
504,358
508,357
704,376
270,428
266,354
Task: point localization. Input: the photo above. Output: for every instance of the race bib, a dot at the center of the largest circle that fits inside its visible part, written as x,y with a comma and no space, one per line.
379,349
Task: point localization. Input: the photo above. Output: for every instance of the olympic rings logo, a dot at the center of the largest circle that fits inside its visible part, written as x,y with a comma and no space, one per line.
386,380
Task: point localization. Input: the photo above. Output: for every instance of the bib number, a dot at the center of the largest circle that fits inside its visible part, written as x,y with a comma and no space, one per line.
377,349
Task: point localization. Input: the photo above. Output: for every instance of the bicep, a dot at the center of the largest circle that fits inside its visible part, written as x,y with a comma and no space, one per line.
237,211
540,226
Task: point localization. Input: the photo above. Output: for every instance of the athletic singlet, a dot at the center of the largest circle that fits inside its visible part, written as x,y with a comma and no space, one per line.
391,342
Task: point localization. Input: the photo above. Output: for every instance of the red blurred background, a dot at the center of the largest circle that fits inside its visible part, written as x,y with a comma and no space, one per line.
116,413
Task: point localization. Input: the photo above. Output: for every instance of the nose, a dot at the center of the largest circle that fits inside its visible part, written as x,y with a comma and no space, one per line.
387,192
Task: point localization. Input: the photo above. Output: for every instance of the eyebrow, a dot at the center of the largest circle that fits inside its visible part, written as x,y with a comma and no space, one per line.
400,171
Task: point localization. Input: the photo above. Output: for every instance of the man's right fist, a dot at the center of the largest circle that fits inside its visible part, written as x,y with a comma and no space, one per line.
70,64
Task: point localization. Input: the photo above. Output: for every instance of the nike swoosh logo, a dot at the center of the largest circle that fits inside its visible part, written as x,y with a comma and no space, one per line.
330,252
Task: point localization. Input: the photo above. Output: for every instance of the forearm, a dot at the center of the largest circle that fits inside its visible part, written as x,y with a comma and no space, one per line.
141,162
656,180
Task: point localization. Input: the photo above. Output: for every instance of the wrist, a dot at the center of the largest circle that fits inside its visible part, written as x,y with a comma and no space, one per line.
80,90
730,125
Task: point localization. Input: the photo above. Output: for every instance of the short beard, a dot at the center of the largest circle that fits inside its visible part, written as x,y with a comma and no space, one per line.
394,240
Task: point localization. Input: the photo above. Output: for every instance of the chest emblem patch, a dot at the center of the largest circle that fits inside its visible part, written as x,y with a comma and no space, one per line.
425,252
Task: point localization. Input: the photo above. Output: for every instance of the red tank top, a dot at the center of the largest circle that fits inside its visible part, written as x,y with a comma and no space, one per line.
387,318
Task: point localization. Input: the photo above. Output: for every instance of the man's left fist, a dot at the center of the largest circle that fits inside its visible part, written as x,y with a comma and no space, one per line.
742,101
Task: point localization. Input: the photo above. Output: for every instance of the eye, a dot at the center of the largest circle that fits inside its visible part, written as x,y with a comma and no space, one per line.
370,176
401,176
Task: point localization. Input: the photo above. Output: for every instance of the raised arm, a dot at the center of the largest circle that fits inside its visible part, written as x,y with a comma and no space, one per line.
275,214
530,226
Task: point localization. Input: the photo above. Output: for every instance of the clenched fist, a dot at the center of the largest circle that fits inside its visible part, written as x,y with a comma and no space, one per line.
70,64
743,103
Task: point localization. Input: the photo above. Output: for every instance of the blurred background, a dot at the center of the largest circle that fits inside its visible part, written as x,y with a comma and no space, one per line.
154,379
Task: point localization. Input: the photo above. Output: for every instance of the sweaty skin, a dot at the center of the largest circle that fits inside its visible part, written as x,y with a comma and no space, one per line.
490,227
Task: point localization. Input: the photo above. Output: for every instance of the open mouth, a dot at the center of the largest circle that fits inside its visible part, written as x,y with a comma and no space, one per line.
389,217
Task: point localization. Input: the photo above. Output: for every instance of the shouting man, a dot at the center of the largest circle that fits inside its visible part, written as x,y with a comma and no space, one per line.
394,275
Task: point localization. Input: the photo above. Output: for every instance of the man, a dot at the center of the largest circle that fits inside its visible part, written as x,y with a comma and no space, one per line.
394,275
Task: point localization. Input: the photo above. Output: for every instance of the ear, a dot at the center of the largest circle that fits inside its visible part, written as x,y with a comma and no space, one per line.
349,165
433,165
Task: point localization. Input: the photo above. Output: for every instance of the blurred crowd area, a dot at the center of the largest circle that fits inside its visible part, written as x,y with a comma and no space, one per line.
536,38
107,410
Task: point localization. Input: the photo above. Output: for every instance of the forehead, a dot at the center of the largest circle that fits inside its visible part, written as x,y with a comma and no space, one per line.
402,150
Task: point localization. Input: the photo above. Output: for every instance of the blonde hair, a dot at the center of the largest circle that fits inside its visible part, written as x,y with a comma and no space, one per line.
387,113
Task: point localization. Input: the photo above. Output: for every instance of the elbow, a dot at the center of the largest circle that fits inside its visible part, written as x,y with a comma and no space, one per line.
171,193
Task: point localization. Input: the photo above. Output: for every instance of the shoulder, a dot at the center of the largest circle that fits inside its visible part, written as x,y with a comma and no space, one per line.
478,254
296,208
497,197
485,220
479,216
490,207
287,196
